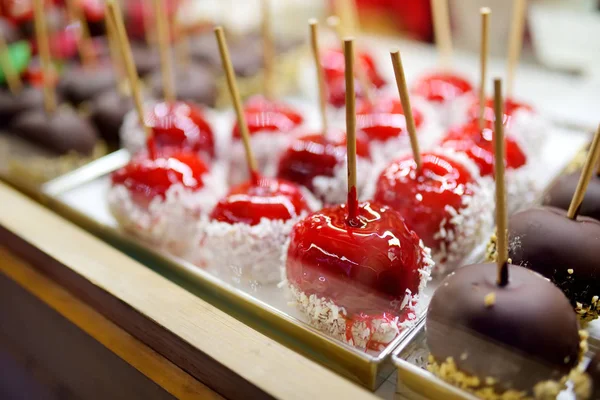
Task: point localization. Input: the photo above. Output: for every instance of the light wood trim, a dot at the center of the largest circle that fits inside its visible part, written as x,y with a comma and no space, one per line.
138,355
194,325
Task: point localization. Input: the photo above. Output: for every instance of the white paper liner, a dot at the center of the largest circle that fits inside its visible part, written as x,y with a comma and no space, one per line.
267,148
170,223
330,318
334,189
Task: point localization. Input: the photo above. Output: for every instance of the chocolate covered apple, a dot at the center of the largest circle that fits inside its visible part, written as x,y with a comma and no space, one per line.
562,190
486,330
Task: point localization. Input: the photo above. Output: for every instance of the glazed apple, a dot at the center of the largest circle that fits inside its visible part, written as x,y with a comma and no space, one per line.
441,87
250,202
478,144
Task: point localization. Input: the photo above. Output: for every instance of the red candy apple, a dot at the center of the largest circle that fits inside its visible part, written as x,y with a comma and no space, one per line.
334,67
183,126
422,196
262,197
315,155
510,107
365,267
148,177
441,87
270,116
385,119
478,144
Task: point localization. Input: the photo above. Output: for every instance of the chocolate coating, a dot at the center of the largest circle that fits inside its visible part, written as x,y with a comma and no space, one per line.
60,132
561,193
107,112
82,84
529,334
10,105
546,241
195,83
146,59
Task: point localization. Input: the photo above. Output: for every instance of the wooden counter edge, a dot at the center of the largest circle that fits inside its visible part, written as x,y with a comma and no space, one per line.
141,357
226,355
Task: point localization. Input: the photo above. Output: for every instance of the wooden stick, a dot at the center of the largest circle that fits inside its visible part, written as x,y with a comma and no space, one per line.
443,34
114,12
501,217
348,14
183,41
361,74
12,78
166,64
351,130
115,56
406,107
149,31
586,174
235,98
515,42
41,33
84,41
314,44
268,49
483,58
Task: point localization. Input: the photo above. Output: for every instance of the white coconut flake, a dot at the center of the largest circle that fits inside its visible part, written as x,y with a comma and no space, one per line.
241,254
170,223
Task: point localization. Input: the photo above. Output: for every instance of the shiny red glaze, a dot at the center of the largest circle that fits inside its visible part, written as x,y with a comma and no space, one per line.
63,44
181,126
93,9
147,178
270,116
365,268
270,198
510,107
385,119
316,155
422,196
478,144
334,67
441,87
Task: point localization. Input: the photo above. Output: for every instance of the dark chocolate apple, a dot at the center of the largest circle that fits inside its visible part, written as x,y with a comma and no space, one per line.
10,105
82,84
194,83
561,193
107,112
61,132
510,337
563,250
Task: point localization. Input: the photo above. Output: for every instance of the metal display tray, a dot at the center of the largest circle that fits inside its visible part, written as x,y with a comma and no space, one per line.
81,197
